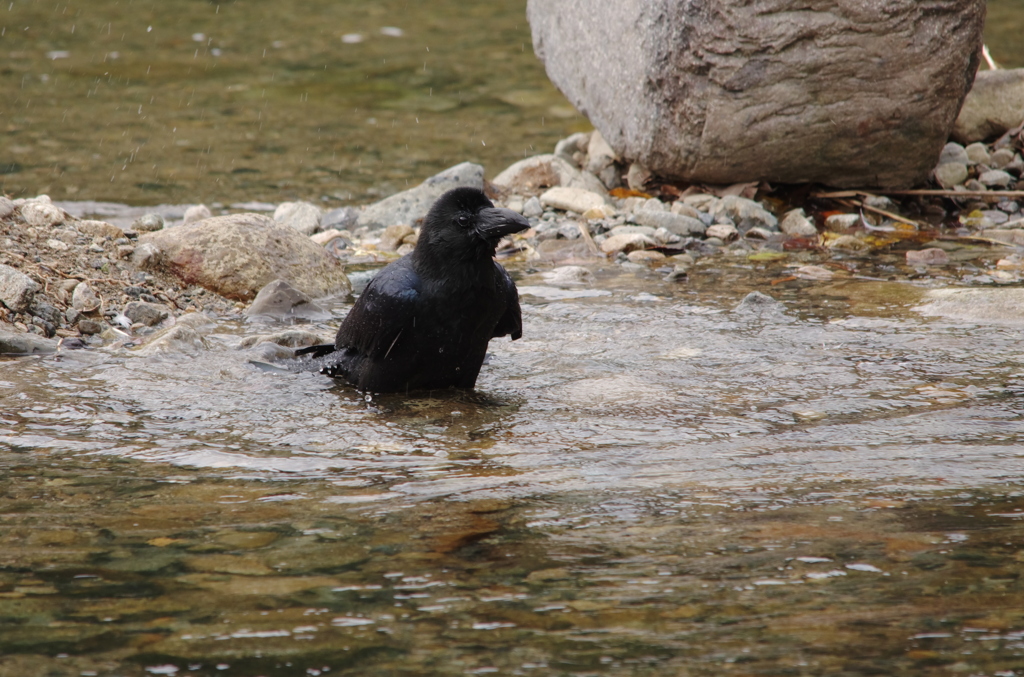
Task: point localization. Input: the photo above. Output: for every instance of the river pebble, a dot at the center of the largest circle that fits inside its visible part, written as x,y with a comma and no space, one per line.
951,174
143,312
995,178
42,213
977,154
626,243
953,152
571,199
796,223
16,288
933,256
302,216
744,213
6,206
148,223
674,223
196,213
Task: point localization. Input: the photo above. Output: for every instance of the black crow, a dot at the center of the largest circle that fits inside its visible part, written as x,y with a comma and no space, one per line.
424,321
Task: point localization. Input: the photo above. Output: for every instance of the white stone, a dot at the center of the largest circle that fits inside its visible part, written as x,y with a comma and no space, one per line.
796,224
571,199
42,214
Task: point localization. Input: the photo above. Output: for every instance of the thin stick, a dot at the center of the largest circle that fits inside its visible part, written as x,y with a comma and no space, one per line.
939,193
891,215
585,232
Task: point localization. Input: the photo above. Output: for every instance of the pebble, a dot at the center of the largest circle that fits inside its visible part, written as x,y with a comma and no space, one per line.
15,343
678,224
569,231
532,208
178,339
995,216
950,174
571,199
42,214
841,222
629,230
342,218
568,147
724,232
744,213
953,152
149,314
848,243
995,177
977,154
568,275
796,224
701,201
84,299
6,206
196,213
282,301
57,245
933,256
302,216
626,243
148,223
16,288
99,229
637,176
645,256
393,237
1001,158
88,326
605,211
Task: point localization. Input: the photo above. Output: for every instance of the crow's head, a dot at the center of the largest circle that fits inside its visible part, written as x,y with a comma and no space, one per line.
464,223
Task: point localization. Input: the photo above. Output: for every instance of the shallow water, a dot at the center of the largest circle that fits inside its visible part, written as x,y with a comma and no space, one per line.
150,101
651,481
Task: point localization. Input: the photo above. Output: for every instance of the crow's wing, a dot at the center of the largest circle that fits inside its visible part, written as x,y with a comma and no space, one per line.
386,309
512,321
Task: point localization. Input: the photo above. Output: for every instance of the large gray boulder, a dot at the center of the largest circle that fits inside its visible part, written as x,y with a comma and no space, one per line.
237,255
843,92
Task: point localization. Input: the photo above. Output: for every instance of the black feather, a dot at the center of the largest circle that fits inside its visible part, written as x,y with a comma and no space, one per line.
424,321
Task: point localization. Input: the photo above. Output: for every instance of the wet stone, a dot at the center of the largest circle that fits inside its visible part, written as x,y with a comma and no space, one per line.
932,256
148,223
90,326
14,343
995,178
281,300
950,174
796,224
149,314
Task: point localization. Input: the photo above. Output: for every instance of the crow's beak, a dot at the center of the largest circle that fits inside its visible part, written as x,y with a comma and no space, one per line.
494,223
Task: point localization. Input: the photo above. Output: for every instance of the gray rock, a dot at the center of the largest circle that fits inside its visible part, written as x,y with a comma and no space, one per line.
341,218
995,216
180,338
84,299
994,105
953,152
724,232
1004,156
951,174
995,178
599,154
14,343
757,303
977,154
290,338
302,216
694,86
282,301
149,314
46,312
148,223
568,276
534,175
238,254
637,176
6,206
145,256
569,147
796,224
410,206
16,288
569,231
42,213
626,243
532,208
745,214
629,230
90,326
985,306
393,237
678,224
196,213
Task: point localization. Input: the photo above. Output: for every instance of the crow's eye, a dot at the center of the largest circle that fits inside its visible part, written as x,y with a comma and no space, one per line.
463,221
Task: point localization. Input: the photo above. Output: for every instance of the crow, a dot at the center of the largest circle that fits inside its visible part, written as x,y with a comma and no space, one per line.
424,321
